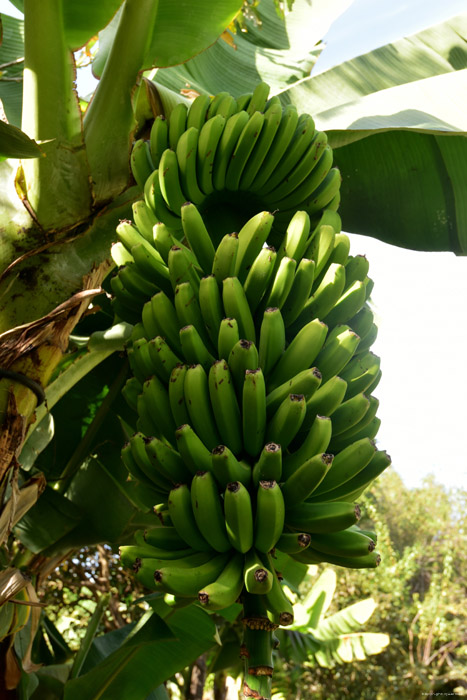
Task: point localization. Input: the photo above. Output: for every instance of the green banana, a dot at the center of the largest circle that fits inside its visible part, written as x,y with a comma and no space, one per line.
347,543
163,240
293,542
238,516
341,441
353,488
129,236
226,589
348,305
302,138
360,372
163,359
144,476
144,219
311,187
269,516
369,339
226,467
177,395
208,512
271,339
302,169
299,292
286,421
315,442
281,284
259,276
245,144
258,579
349,413
197,235
320,248
210,304
269,465
199,405
301,353
324,297
356,269
243,356
251,238
225,407
305,382
225,256
161,319
130,554
141,162
150,266
181,268
193,348
131,391
177,123
258,99
226,107
208,141
324,401
137,445
183,519
322,517
164,538
197,112
215,104
236,306
278,148
306,478
188,310
280,609
347,464
327,192
167,461
187,150
253,411
225,148
272,120
169,182
159,139
192,449
187,582
341,249
156,398
312,556
136,284
228,337
337,352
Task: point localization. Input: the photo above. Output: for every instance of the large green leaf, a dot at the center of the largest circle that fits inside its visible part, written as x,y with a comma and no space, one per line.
83,19
14,143
277,52
147,659
11,67
181,29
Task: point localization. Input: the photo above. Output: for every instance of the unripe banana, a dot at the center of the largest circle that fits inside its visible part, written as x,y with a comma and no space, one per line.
316,441
226,589
177,394
187,150
199,406
226,467
210,304
223,265
305,382
253,411
236,305
243,356
259,276
141,162
192,450
251,238
225,407
322,517
280,609
239,516
187,582
228,337
306,478
286,421
271,339
300,354
193,348
183,519
258,578
197,235
159,139
269,517
269,465
293,542
177,123
346,465
208,512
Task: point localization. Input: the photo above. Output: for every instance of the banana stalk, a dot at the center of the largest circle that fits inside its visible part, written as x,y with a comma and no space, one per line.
257,648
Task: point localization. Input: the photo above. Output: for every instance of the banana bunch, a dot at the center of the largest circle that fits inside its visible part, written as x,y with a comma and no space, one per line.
252,370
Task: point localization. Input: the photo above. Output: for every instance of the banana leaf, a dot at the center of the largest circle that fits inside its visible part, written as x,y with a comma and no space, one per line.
12,63
117,669
16,144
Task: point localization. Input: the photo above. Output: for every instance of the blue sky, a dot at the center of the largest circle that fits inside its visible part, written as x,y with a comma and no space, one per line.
419,298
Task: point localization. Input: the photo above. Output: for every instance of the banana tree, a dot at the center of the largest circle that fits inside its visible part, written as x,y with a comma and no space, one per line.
61,208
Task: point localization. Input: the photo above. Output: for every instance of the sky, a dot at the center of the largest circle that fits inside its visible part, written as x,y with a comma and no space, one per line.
420,299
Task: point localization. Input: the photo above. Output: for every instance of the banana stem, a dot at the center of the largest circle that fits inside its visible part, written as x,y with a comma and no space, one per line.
57,185
109,120
257,649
